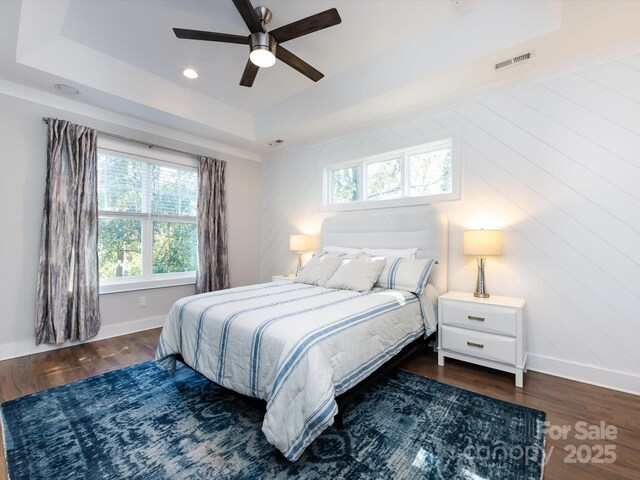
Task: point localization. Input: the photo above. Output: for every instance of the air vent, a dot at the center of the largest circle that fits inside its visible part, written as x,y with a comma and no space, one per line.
276,143
510,62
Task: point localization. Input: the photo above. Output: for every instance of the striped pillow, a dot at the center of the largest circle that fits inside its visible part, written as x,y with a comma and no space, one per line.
406,274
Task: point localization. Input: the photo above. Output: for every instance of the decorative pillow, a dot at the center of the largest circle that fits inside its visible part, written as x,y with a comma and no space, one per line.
336,249
391,252
357,274
319,269
406,274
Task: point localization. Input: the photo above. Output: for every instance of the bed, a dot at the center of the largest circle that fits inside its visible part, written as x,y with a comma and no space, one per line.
299,346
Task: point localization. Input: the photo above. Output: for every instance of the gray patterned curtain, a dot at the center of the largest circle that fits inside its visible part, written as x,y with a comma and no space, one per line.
213,264
68,298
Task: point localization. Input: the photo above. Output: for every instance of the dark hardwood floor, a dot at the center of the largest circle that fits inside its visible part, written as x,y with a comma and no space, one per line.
565,402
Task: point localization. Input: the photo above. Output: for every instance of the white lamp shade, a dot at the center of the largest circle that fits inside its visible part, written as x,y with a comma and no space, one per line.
483,243
300,243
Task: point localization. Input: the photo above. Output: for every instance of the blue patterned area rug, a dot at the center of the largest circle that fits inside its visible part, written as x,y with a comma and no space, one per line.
141,423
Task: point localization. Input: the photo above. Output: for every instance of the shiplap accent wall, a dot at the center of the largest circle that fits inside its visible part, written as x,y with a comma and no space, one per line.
555,165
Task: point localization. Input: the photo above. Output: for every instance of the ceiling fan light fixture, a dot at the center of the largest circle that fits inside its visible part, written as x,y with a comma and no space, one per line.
262,57
263,50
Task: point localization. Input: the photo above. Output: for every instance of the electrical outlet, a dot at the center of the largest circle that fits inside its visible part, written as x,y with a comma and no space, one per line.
142,302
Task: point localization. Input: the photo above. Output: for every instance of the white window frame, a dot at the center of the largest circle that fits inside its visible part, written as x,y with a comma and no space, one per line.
148,280
405,200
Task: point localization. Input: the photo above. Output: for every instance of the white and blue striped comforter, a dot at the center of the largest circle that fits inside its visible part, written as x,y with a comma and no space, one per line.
294,345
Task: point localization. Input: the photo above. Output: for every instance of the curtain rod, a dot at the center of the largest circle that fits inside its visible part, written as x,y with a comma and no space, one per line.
139,142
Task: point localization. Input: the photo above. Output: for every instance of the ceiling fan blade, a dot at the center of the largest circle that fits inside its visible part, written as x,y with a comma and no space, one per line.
249,15
249,74
307,25
210,36
296,62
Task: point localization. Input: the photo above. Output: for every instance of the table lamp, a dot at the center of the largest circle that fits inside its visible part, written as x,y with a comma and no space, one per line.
300,243
482,243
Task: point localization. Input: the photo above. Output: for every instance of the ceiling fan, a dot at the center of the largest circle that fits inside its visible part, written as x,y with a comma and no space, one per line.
265,46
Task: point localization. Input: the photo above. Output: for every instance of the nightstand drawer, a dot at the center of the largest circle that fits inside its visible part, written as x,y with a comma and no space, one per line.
485,318
479,344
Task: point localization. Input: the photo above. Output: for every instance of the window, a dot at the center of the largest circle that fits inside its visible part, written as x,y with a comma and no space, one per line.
346,184
147,231
420,174
384,179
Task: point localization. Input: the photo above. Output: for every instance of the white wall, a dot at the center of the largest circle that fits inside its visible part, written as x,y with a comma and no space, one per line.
22,184
556,166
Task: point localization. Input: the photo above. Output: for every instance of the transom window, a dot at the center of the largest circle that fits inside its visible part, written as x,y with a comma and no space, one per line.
147,230
421,174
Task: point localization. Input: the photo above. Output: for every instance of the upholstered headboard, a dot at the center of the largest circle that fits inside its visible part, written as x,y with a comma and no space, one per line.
420,227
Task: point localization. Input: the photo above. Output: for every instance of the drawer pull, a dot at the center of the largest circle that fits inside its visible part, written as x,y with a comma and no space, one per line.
473,344
472,317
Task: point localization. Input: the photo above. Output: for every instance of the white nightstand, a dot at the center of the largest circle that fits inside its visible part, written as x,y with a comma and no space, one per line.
485,331
275,278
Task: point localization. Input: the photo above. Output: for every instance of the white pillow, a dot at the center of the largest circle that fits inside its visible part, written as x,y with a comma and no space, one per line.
336,249
319,269
357,274
391,252
406,274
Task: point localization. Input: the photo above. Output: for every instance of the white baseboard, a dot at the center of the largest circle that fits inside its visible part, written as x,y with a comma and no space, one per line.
20,349
621,381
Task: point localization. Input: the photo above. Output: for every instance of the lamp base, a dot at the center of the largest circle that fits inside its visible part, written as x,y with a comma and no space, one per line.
299,266
481,289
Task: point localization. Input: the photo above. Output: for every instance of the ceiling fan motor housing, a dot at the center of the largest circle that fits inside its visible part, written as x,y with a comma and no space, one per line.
264,41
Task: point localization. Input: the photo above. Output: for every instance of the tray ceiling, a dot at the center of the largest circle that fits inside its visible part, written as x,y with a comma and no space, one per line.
385,56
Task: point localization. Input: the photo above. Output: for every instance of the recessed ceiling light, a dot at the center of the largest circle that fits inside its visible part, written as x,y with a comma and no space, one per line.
190,73
66,89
